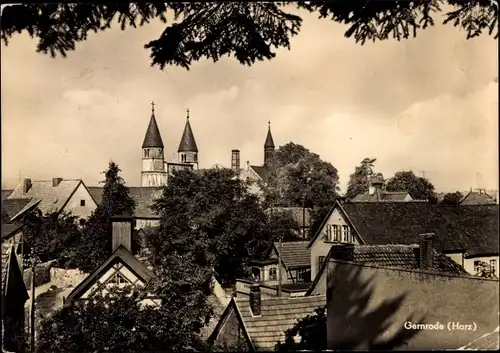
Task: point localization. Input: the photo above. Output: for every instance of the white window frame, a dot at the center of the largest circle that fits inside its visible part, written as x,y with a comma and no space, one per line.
275,271
346,234
477,266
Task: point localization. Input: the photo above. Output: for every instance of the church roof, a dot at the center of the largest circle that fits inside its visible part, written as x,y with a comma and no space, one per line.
153,137
269,138
187,144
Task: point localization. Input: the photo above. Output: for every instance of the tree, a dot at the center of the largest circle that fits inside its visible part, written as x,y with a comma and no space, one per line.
308,334
249,31
95,244
419,188
54,236
452,198
214,212
359,180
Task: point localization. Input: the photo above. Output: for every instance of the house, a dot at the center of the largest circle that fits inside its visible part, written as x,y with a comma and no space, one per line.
465,234
371,307
409,257
14,296
300,215
56,195
375,192
120,269
296,259
478,197
144,197
255,323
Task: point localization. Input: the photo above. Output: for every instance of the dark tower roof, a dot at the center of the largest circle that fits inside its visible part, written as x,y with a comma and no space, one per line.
153,137
188,143
269,139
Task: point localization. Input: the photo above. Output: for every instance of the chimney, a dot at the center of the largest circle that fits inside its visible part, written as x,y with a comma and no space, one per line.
255,299
426,250
343,252
26,185
235,160
56,181
121,232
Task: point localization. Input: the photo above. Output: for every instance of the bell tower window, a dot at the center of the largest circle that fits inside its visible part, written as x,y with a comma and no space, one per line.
146,153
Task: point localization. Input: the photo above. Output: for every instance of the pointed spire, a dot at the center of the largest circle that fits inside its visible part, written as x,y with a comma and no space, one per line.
188,143
153,137
269,139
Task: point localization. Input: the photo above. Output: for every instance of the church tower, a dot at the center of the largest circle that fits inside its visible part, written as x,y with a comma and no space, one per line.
188,151
153,162
269,151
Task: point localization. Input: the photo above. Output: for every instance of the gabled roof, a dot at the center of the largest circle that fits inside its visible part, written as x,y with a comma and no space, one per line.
296,213
12,275
488,341
263,172
6,193
477,198
277,316
12,206
153,137
142,195
471,228
9,229
393,256
120,255
294,254
50,199
188,143
380,195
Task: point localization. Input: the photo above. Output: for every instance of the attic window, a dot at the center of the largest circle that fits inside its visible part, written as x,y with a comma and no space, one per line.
82,203
118,279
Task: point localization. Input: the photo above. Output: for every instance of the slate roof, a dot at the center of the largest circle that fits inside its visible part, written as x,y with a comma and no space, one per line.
188,143
153,137
142,195
6,193
12,206
381,196
471,228
49,198
488,341
295,212
263,172
9,228
294,254
277,316
477,198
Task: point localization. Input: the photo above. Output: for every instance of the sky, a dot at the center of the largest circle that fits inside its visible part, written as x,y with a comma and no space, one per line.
428,104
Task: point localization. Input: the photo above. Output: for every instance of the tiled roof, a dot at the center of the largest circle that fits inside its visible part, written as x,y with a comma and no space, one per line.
188,143
12,206
474,228
9,228
277,316
262,171
294,253
488,341
50,198
153,137
5,264
381,196
6,193
295,212
477,198
402,256
142,195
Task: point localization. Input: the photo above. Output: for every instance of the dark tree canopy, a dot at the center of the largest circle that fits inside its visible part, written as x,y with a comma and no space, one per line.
248,31
359,180
452,198
419,188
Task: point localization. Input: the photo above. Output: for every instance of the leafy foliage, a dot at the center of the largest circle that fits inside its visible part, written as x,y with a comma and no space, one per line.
95,245
419,188
308,334
249,31
452,198
359,180
53,236
212,216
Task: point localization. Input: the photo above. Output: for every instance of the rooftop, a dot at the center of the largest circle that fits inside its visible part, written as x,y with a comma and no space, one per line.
294,254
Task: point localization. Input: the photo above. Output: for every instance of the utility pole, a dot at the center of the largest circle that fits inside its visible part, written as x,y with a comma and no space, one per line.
279,265
32,321
423,174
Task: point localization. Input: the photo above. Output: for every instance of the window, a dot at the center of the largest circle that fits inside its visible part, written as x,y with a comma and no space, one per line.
196,158
333,233
82,203
82,222
477,266
321,259
118,279
273,274
183,157
146,153
493,266
302,275
346,234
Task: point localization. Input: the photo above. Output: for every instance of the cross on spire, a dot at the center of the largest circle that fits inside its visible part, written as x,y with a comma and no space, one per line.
153,106
269,123
187,112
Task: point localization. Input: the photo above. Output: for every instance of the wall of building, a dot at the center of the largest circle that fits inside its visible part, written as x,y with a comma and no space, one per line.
146,223
74,206
153,178
243,288
458,258
362,300
320,247
230,337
